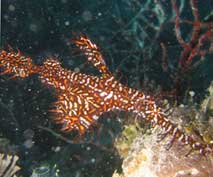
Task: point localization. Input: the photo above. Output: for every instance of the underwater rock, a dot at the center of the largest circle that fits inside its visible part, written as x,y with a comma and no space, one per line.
28,143
124,141
28,134
149,158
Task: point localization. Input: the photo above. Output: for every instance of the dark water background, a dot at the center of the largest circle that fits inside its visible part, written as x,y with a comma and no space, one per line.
129,35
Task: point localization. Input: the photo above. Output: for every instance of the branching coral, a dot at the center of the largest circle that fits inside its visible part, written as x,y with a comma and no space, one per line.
8,166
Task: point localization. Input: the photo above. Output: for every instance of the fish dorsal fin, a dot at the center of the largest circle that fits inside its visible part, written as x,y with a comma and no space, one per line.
93,54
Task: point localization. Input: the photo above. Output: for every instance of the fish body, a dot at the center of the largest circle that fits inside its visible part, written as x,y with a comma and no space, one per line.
82,98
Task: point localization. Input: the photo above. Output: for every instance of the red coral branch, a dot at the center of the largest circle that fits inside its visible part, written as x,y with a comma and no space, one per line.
192,48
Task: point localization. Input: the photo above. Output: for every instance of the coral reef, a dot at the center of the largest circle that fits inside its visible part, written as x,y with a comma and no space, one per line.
147,157
8,166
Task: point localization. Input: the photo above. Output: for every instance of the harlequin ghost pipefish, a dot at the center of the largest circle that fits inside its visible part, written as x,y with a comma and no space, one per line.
82,99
